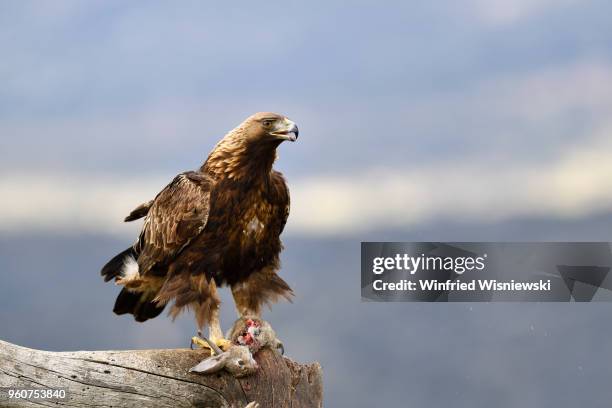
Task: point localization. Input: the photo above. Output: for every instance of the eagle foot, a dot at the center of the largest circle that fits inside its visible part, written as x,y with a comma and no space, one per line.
198,341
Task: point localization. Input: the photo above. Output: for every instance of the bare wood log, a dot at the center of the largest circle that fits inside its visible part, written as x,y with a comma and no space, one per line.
154,378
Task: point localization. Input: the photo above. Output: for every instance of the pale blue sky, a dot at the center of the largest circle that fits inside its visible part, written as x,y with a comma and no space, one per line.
391,82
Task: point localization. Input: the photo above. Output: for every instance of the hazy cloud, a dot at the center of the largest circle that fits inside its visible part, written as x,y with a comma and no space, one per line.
574,184
504,12
531,144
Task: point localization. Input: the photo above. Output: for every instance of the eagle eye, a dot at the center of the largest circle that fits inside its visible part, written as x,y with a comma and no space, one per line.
267,123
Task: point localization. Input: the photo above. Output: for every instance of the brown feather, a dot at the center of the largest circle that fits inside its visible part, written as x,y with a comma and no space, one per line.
218,225
139,212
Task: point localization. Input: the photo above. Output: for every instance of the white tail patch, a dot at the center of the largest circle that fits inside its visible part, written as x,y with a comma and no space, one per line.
129,270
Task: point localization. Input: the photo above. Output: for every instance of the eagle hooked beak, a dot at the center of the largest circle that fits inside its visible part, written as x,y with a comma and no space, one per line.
287,131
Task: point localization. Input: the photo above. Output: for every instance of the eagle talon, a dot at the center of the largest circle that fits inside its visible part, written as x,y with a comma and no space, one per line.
222,343
200,343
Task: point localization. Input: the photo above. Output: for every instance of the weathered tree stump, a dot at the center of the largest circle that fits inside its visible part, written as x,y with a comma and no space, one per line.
153,378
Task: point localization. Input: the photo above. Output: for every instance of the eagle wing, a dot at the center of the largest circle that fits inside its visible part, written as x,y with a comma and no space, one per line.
177,215
139,212
280,197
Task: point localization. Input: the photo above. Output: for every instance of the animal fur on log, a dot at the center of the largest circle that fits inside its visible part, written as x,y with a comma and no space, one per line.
153,378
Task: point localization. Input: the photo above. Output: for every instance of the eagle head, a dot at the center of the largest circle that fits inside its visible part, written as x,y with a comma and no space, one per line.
268,126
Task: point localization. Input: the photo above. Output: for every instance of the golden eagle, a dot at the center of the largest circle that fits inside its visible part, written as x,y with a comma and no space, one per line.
219,225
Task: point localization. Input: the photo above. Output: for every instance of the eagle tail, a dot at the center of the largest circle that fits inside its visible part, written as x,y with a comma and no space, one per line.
113,268
138,304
